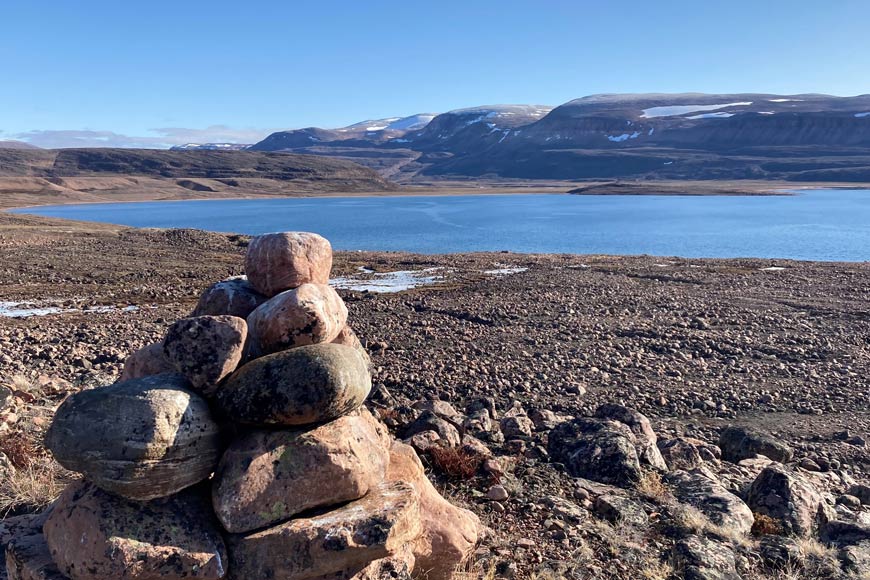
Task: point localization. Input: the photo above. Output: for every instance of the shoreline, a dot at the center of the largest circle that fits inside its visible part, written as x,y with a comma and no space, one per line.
28,200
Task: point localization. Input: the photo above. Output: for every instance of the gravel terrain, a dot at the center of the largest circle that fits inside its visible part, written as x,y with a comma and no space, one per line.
695,345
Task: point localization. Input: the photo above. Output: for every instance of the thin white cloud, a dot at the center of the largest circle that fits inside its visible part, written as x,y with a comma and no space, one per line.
161,138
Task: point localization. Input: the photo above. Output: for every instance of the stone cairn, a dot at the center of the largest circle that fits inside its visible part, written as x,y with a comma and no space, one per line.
239,448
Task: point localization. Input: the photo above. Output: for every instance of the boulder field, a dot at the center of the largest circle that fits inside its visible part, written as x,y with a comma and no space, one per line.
240,447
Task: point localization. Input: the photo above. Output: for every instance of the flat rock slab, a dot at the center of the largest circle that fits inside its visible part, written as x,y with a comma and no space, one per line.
206,349
302,386
268,477
721,507
141,439
376,526
28,558
94,535
231,297
285,260
310,314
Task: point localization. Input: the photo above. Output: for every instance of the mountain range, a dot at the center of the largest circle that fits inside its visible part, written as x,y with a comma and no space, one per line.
807,137
690,136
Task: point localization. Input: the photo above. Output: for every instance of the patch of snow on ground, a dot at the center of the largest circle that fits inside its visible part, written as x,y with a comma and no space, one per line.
28,309
712,116
505,270
766,113
376,128
862,115
623,137
772,269
784,100
675,110
387,282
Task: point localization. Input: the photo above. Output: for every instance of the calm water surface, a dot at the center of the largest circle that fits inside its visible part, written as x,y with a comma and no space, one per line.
816,225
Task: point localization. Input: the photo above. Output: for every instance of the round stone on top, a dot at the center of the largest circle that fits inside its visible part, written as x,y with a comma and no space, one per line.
286,260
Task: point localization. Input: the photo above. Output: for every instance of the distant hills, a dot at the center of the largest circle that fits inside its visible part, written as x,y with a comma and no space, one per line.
807,137
9,144
38,176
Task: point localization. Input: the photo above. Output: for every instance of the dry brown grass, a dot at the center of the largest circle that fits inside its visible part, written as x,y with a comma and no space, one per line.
455,463
20,448
34,487
765,525
650,486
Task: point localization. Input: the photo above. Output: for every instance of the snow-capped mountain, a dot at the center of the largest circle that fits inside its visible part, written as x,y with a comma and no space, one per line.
808,136
211,147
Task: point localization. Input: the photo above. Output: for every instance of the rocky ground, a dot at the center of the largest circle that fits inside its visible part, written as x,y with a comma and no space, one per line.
694,345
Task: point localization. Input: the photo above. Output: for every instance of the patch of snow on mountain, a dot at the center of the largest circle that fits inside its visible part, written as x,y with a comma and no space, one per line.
675,110
766,113
376,128
862,115
623,137
712,116
785,100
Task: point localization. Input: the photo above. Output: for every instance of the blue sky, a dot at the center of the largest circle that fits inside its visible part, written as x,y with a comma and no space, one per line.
159,72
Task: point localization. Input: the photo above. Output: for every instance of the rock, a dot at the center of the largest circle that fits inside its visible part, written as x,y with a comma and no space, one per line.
424,441
850,501
721,507
285,260
565,509
397,567
442,409
780,552
497,493
429,421
310,314
449,533
845,533
7,468
596,449
305,385
28,558
374,527
862,492
739,443
620,510
206,349
94,535
789,498
647,450
348,337
267,477
475,447
516,426
145,362
856,560
697,558
5,397
686,453
543,419
231,297
141,439
18,526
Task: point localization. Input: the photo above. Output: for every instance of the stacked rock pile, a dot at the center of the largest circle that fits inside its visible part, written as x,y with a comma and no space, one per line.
239,448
